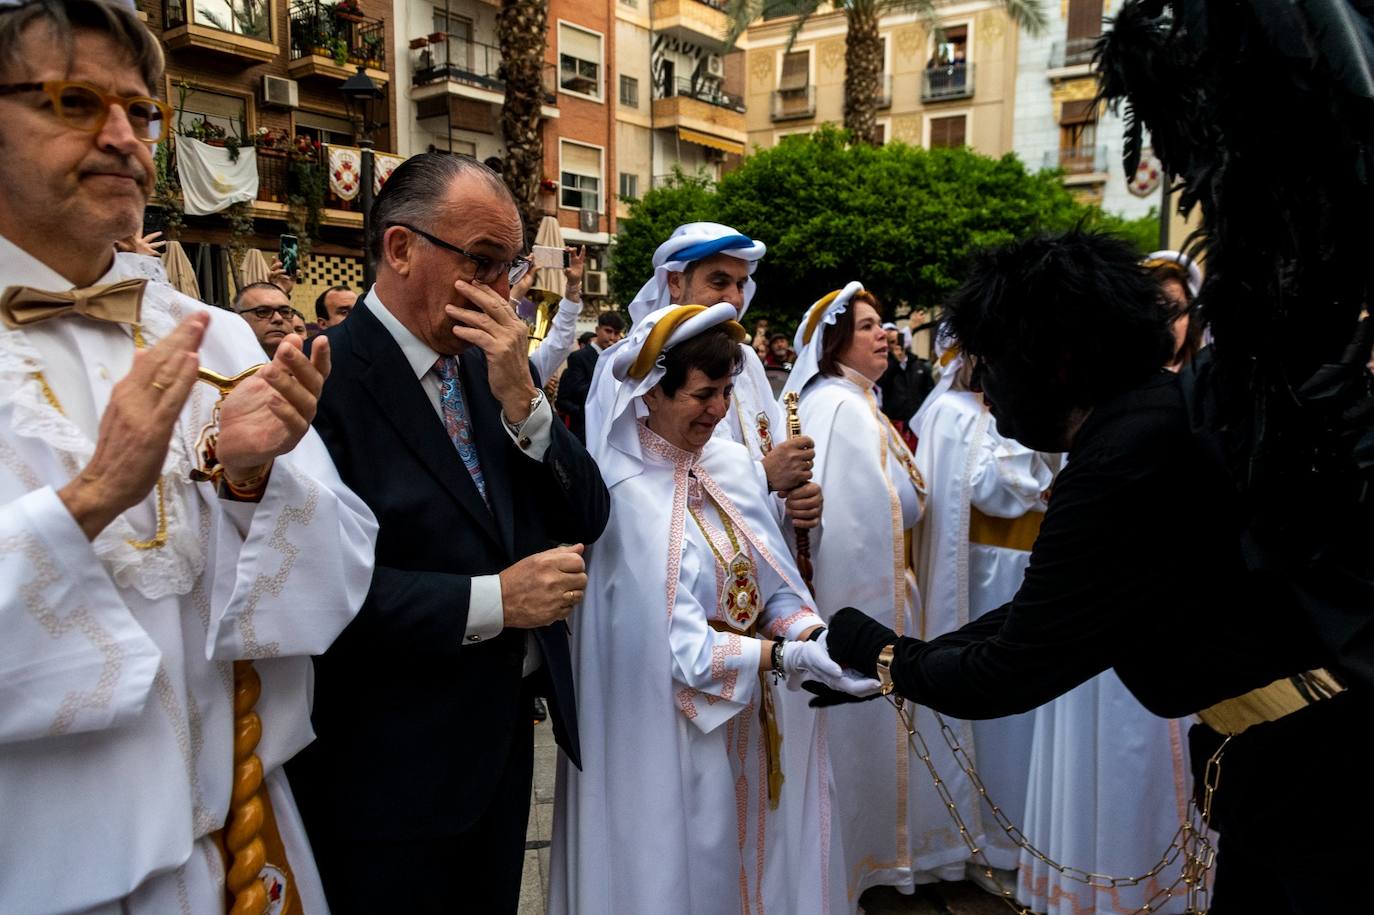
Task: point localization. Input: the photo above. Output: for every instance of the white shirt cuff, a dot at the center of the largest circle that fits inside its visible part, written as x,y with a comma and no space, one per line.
486,613
568,305
536,433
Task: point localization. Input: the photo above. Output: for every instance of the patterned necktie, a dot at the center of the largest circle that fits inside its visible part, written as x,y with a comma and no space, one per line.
119,303
455,414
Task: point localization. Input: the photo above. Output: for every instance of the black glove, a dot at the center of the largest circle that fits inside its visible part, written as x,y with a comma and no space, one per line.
826,697
855,639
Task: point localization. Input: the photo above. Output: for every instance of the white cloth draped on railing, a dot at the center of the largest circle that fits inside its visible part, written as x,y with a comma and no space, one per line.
210,180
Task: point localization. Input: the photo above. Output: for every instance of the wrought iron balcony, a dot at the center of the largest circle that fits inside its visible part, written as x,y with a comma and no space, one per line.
708,92
949,81
794,104
1078,160
334,41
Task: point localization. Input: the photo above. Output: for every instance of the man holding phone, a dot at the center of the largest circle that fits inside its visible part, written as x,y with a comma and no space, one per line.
561,336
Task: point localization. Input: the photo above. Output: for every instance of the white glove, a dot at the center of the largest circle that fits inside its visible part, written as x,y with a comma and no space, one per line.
811,660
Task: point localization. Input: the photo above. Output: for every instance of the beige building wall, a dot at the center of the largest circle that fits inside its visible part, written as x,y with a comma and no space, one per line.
634,138
986,103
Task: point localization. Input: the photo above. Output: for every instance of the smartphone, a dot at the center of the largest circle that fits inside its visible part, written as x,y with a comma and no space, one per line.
549,256
289,253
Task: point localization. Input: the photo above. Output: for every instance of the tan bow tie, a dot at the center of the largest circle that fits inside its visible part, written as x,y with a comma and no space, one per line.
120,303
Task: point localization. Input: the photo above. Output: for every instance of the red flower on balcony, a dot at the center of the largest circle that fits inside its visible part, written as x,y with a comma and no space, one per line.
549,185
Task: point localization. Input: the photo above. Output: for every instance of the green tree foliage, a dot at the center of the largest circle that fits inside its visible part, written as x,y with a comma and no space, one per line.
900,219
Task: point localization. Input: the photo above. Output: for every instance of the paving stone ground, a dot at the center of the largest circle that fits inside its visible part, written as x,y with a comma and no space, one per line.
942,899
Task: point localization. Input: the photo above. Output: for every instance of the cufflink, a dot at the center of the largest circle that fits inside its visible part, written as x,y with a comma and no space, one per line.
524,443
474,638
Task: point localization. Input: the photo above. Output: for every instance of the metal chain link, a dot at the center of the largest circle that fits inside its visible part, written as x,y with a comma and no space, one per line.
1190,842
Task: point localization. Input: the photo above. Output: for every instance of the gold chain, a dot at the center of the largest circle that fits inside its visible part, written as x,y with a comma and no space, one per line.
729,532
159,538
903,454
1190,841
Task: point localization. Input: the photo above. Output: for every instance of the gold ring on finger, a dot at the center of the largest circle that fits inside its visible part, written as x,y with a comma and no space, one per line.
157,384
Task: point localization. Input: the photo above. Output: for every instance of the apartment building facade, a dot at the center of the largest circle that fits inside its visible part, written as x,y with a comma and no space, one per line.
265,75
1058,125
947,87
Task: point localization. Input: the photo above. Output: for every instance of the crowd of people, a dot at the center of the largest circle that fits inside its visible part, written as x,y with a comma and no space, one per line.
280,608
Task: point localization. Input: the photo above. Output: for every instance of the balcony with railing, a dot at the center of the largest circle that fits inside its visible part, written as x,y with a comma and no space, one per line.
330,42
240,29
1079,163
1072,52
947,82
703,112
794,104
447,64
700,22
702,91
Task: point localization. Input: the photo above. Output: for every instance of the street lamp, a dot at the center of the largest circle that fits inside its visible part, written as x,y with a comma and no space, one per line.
364,98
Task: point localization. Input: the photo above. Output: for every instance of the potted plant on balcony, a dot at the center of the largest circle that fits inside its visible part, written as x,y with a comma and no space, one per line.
348,10
340,52
372,50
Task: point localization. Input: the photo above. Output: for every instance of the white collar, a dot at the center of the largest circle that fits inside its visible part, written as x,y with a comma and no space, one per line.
417,352
20,268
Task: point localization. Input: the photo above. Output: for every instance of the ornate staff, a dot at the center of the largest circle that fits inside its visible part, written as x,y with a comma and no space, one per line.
258,876
803,536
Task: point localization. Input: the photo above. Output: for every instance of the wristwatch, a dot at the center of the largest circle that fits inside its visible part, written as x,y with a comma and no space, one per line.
523,440
885,669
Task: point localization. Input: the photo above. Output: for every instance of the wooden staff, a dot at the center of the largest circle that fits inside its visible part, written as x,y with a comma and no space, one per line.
803,536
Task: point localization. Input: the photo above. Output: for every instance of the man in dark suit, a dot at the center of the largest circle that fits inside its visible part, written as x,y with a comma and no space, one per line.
905,383
416,792
577,377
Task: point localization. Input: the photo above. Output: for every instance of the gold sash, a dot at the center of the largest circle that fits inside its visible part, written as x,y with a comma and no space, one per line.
1008,533
1270,703
768,716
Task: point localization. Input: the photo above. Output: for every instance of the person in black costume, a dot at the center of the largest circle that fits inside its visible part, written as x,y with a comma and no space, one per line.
1138,567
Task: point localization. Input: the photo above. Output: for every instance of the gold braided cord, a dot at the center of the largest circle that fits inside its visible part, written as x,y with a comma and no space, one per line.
1190,842
243,833
660,332
813,318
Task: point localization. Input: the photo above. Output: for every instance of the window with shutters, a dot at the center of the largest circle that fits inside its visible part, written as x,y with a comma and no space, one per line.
794,97
579,61
325,128
1084,26
948,132
581,176
223,114
796,70
629,186
1078,136
629,91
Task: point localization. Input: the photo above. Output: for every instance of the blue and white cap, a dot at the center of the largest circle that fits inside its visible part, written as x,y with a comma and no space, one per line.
695,241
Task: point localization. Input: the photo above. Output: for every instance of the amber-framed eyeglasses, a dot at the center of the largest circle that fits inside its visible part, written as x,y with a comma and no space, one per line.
83,106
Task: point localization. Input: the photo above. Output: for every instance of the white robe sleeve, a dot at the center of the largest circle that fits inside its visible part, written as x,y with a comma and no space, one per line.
72,656
292,583
1008,478
558,342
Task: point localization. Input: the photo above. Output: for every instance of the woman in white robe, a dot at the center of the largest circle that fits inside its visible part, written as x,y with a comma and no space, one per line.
675,809
895,828
987,498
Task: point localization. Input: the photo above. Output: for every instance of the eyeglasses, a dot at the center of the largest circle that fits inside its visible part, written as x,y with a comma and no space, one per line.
488,270
83,106
265,312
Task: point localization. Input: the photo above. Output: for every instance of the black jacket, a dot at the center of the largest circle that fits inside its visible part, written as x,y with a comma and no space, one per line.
904,388
411,723
1138,567
573,388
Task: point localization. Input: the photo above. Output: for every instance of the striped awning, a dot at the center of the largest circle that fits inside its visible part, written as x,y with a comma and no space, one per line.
706,139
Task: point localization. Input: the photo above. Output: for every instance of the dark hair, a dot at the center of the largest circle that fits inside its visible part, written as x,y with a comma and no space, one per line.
321,312
297,312
840,334
782,337
66,17
1192,340
1078,293
584,338
712,351
611,319
244,290
419,186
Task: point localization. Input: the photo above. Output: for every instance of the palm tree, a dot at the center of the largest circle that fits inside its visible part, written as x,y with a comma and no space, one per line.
863,45
522,29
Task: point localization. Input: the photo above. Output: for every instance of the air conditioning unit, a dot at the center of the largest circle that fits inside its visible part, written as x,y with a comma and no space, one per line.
594,282
588,220
278,92
715,66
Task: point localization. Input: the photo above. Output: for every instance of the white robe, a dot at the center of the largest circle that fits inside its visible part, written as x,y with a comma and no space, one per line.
895,829
116,664
968,465
669,813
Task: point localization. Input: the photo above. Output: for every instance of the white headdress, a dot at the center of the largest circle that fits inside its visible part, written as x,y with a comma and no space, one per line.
948,361
1184,261
810,336
693,242
636,363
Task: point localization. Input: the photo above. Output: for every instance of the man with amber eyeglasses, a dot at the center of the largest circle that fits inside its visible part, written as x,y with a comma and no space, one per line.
129,593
